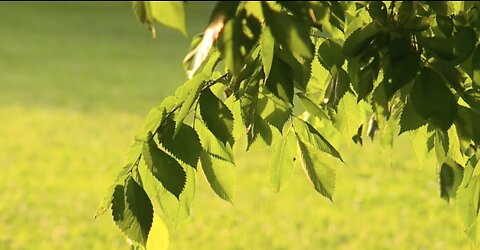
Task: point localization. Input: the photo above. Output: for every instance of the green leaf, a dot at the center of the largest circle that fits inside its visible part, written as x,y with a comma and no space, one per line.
280,81
451,175
267,43
441,145
469,123
164,167
217,116
186,135
189,95
159,239
339,85
476,67
330,54
220,175
440,46
445,24
465,40
348,117
454,149
212,144
300,68
273,110
107,199
416,24
309,135
400,70
169,13
132,211
418,138
259,128
378,11
282,162
165,204
311,107
468,195
153,120
230,45
366,78
321,176
432,100
359,40
440,7
289,32
409,119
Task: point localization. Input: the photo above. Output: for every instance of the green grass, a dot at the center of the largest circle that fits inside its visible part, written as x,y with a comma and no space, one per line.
77,79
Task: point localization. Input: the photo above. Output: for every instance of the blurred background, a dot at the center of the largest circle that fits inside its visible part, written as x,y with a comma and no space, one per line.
76,81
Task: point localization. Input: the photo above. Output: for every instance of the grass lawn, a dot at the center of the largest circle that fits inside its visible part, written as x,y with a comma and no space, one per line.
77,79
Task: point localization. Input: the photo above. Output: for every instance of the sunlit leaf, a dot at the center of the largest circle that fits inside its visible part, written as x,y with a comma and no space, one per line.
283,160
320,175
220,175
169,13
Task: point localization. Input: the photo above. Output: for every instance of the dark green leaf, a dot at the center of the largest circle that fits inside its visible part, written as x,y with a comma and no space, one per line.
469,123
217,116
330,54
416,24
441,145
445,24
378,11
400,71
164,167
409,119
231,45
465,40
280,81
259,128
359,40
451,175
432,100
176,145
132,211
366,78
289,32
476,67
440,7
282,163
318,172
301,69
339,85
440,46
248,102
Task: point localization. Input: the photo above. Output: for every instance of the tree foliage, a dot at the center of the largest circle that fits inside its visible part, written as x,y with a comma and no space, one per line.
288,75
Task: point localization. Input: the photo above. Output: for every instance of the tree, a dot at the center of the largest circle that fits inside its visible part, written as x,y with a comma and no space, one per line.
256,77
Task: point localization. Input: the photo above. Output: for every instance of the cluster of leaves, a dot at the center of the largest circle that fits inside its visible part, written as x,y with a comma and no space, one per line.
300,77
